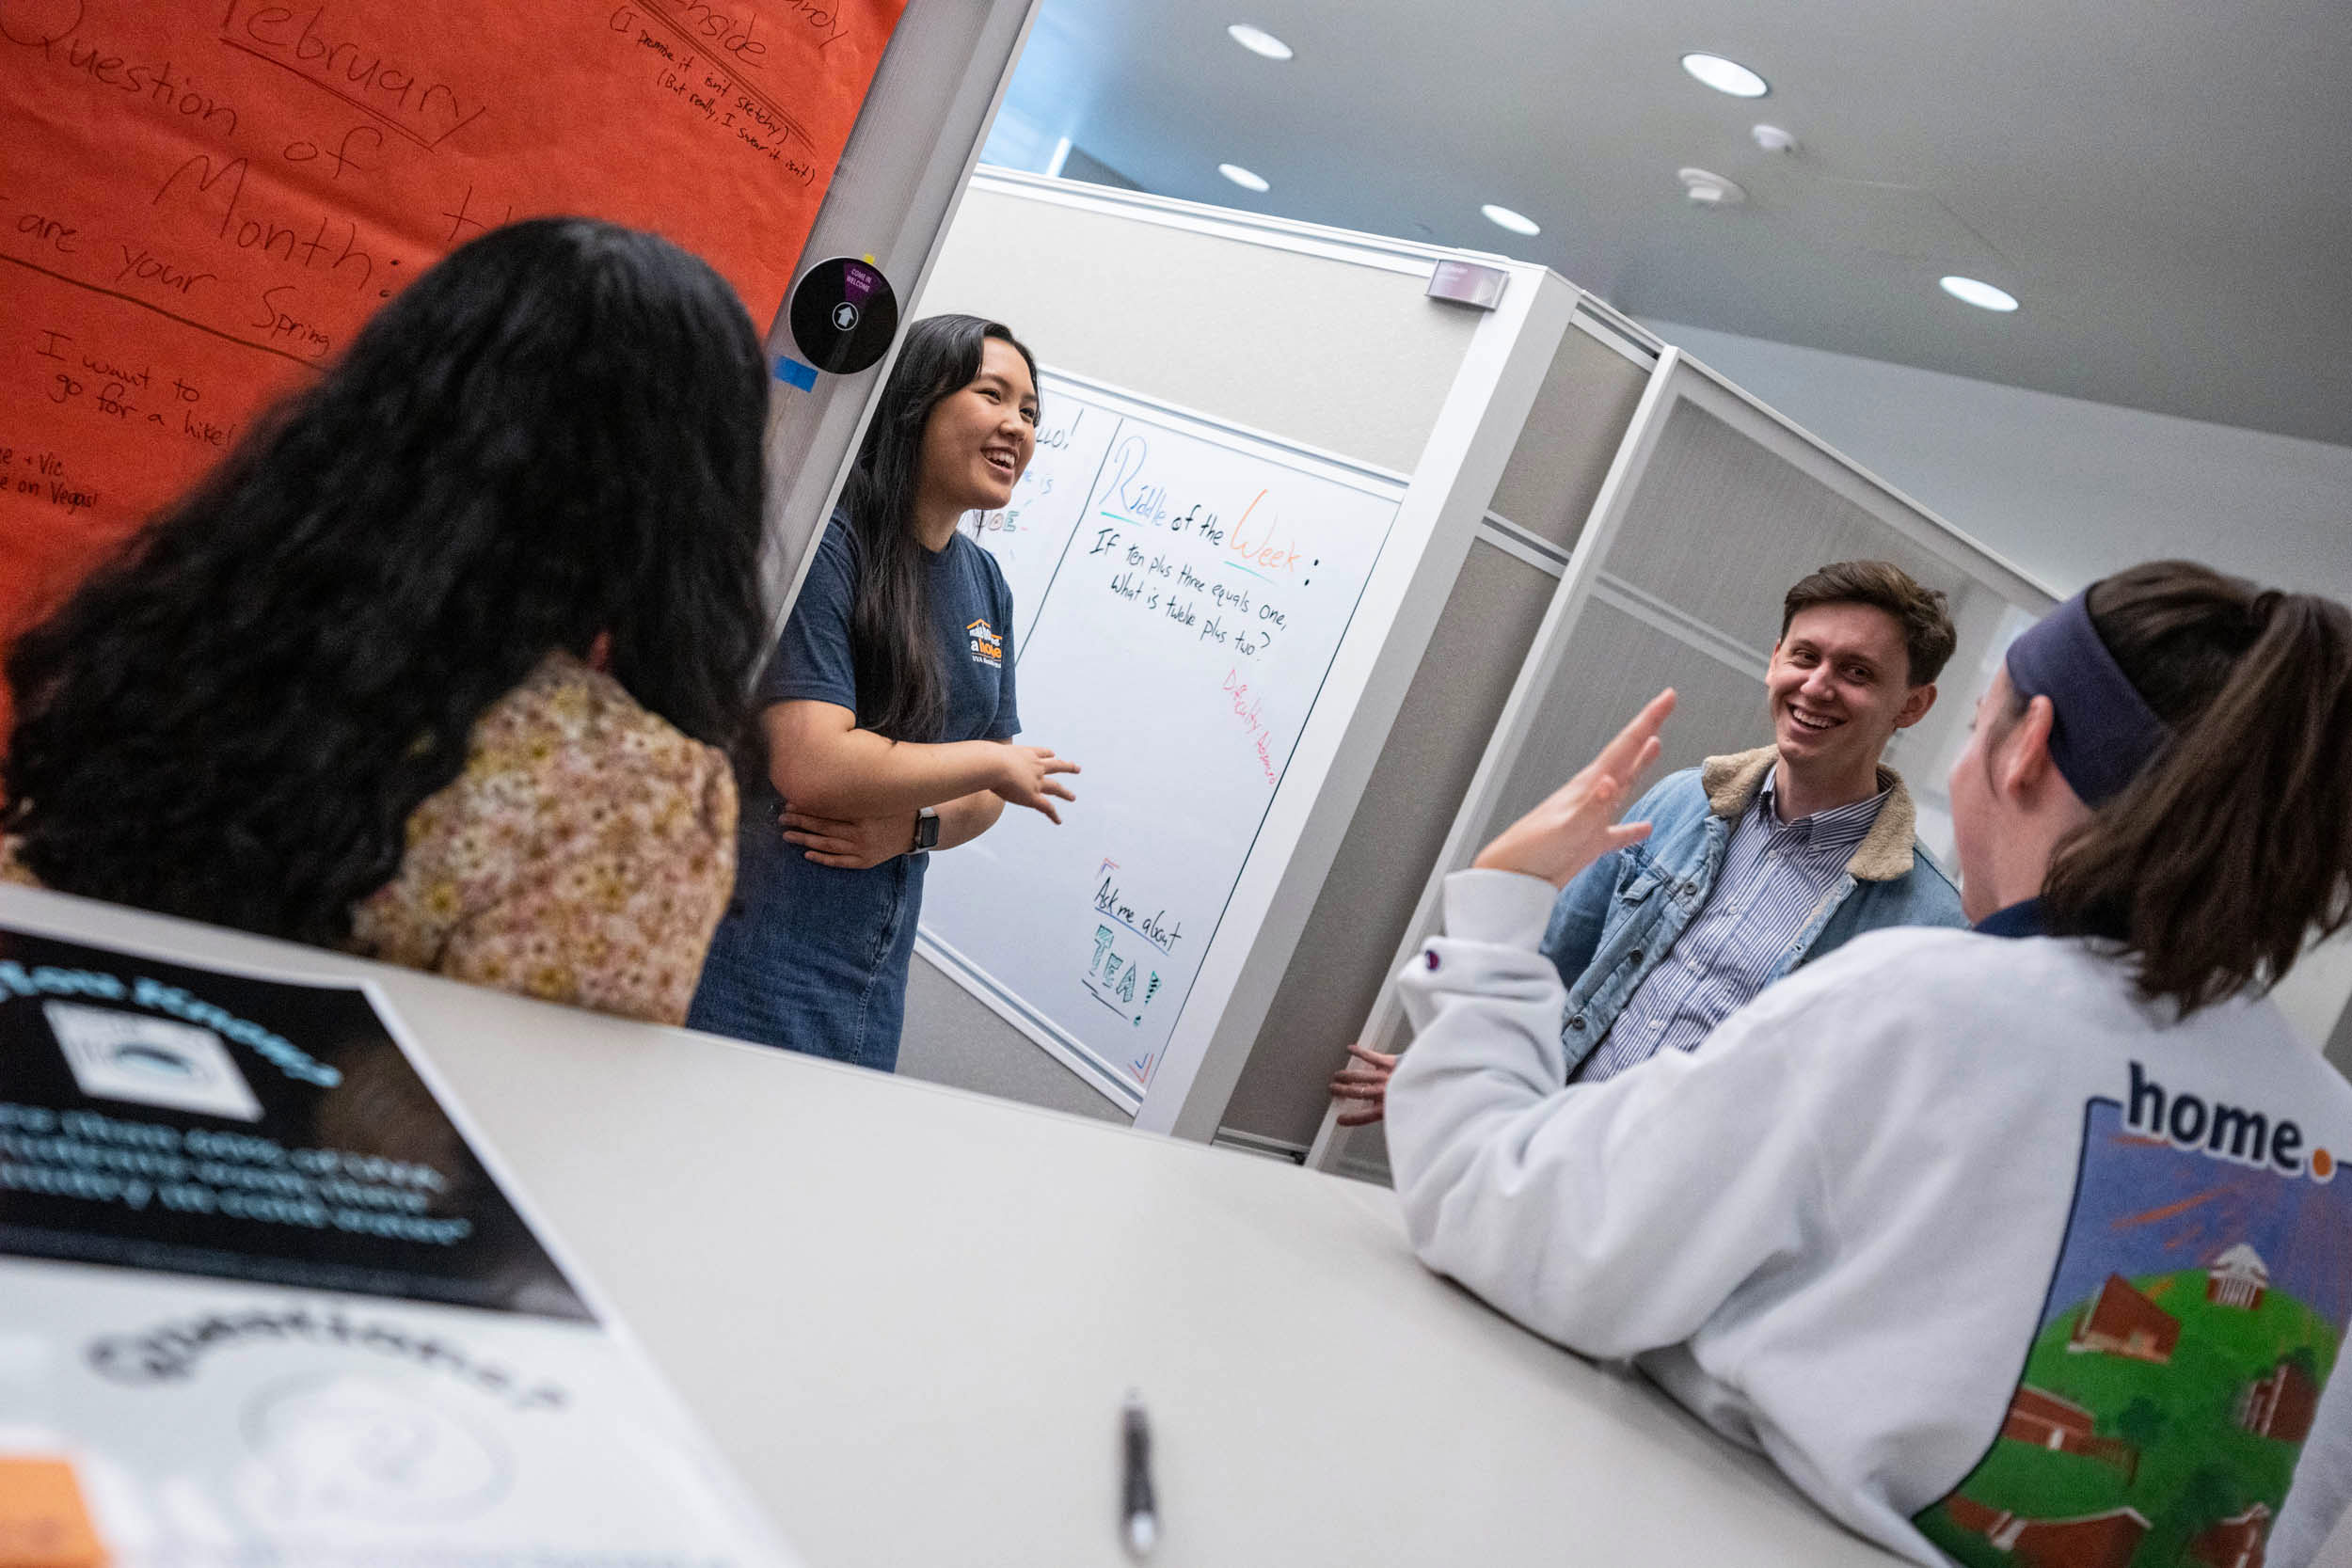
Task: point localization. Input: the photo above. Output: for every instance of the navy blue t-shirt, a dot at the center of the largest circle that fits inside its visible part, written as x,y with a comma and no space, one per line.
814,958
971,609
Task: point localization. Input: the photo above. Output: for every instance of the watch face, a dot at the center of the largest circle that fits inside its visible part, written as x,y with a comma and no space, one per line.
926,830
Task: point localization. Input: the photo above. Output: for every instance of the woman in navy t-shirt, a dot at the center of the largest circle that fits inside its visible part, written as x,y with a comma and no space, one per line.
888,711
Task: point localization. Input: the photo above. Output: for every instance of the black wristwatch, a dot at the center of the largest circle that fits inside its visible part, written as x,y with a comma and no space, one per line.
926,830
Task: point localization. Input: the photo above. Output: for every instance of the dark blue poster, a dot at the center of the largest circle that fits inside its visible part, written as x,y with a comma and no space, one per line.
202,1122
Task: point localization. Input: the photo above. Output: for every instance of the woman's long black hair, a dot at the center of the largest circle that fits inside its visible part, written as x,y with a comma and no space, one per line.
894,649
553,433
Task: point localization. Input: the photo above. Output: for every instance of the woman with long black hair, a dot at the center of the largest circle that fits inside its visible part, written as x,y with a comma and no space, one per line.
2021,1244
442,663
889,711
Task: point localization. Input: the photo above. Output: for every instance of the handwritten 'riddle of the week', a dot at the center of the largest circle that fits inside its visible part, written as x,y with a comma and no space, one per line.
1137,534
201,204
1180,594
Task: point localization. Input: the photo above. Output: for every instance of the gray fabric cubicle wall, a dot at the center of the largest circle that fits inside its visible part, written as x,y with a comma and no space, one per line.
1571,436
1722,526
1547,489
1392,840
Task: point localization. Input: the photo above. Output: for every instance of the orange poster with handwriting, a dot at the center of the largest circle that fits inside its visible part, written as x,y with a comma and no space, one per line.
199,202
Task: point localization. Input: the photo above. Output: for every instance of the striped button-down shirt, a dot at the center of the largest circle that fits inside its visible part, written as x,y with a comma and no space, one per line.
1774,876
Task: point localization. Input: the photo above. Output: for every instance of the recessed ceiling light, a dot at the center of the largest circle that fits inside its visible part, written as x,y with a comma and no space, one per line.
1984,296
1258,41
1726,75
1517,223
1243,177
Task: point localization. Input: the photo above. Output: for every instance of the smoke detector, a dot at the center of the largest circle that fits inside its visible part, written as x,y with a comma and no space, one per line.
1771,138
1710,191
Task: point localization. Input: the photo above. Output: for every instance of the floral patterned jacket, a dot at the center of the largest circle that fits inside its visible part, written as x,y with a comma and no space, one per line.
584,855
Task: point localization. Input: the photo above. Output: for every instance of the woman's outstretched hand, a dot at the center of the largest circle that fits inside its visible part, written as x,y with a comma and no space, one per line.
1573,827
1028,779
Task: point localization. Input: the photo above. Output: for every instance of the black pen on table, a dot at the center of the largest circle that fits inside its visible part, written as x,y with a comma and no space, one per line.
1142,1517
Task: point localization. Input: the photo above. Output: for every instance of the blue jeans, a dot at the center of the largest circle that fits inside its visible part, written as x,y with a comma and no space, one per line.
811,957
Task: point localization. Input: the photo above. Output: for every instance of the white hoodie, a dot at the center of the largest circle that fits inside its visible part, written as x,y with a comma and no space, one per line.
1939,1223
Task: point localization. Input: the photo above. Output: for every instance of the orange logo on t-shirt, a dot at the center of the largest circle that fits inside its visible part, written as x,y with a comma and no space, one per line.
987,646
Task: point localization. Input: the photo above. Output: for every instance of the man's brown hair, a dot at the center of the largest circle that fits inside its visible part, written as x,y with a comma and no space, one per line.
1919,610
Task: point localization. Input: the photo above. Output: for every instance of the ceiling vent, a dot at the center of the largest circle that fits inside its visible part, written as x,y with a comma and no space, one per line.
1710,191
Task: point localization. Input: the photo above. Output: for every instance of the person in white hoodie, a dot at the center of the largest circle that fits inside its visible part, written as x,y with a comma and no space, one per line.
2013,1247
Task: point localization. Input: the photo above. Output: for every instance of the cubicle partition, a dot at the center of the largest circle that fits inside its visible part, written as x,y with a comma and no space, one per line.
1554,515
1300,441
1402,825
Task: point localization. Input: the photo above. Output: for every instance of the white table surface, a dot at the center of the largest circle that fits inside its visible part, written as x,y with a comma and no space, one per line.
908,1314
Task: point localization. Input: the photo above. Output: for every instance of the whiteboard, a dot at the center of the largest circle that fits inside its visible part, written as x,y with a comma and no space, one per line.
1180,589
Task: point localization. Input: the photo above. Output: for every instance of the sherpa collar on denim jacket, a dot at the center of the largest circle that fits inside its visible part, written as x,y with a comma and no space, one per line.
1731,783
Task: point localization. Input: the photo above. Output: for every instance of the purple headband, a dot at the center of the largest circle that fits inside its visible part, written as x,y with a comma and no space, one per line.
2103,731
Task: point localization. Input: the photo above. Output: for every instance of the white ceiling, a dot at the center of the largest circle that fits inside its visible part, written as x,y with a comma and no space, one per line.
2162,184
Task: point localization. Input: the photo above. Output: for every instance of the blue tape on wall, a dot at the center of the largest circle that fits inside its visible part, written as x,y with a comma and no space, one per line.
792,373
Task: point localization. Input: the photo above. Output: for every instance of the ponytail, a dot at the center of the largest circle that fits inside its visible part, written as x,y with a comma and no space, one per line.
2233,845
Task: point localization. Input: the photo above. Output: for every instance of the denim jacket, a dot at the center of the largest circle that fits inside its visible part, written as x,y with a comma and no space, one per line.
1614,924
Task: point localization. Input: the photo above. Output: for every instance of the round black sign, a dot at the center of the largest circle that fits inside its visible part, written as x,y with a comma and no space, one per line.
843,315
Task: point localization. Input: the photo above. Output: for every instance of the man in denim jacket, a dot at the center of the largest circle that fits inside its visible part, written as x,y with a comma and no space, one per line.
1760,861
